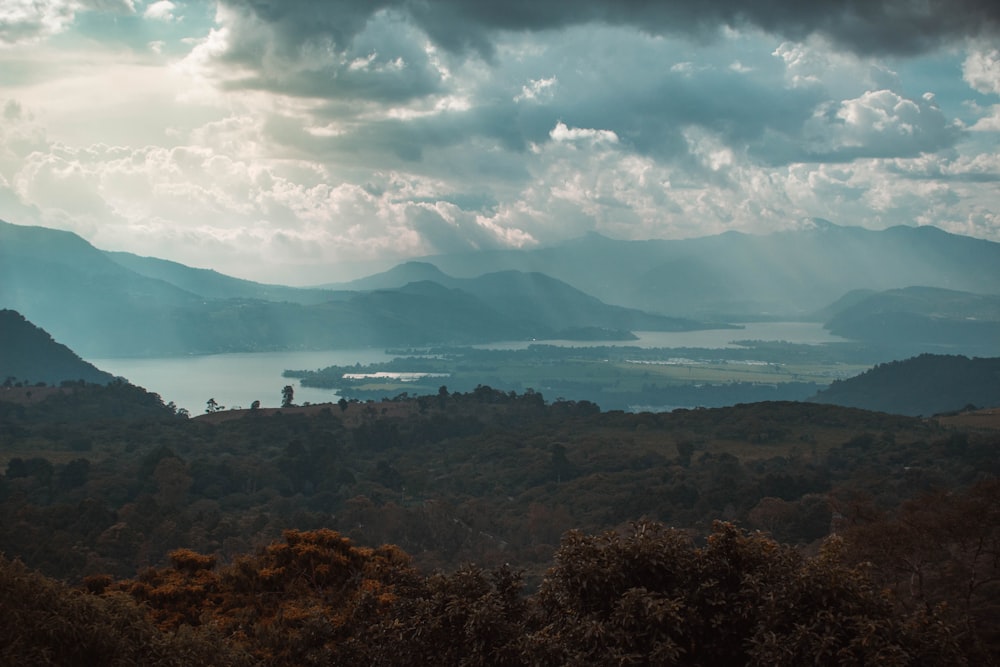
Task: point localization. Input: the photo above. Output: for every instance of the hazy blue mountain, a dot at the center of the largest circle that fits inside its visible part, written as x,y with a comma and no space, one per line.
534,300
950,319
849,300
28,354
734,275
558,306
116,304
397,276
212,284
923,385
62,283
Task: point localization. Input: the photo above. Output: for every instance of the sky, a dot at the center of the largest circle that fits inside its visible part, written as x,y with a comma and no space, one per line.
303,141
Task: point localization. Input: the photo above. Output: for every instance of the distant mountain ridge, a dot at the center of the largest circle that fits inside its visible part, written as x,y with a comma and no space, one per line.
527,297
29,354
212,284
118,304
919,316
734,276
924,385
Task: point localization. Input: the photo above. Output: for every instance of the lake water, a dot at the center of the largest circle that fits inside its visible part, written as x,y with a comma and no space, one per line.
805,333
236,379
239,379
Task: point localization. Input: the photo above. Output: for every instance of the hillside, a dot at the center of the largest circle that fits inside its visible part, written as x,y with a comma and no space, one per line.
212,284
924,385
951,320
106,486
29,355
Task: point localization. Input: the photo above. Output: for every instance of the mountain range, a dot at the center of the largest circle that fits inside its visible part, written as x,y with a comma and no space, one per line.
742,277
930,316
119,304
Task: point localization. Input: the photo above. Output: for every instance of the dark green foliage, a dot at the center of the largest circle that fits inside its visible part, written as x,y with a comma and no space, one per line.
29,354
938,548
48,623
925,385
652,597
645,595
75,403
493,477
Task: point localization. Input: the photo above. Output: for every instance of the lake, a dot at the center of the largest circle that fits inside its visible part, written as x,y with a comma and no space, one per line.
239,379
805,333
233,380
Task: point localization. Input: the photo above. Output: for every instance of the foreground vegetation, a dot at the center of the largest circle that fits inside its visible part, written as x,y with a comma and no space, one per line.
108,489
645,596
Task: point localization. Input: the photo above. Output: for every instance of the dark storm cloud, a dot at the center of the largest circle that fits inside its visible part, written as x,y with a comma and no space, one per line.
649,119
863,26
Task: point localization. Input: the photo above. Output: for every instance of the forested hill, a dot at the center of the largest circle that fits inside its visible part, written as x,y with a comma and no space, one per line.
29,355
924,385
242,523
934,319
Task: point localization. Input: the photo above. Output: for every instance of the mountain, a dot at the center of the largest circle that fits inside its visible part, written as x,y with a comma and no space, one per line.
927,316
924,385
212,284
558,306
118,304
79,295
734,276
29,354
399,275
534,299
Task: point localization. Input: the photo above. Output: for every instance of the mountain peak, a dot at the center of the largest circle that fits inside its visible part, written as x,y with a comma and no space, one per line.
400,275
823,224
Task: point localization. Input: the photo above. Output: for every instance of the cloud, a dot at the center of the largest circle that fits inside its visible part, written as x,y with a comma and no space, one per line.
981,70
33,20
24,20
537,90
161,10
989,121
879,123
386,60
893,26
300,135
562,133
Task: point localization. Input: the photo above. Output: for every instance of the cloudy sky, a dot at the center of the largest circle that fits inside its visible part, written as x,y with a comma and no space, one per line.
286,140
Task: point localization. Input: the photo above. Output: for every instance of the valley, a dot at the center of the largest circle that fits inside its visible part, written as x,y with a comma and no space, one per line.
493,433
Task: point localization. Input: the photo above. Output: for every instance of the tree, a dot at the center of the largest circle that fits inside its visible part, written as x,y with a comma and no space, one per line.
287,396
213,406
940,548
57,625
652,597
